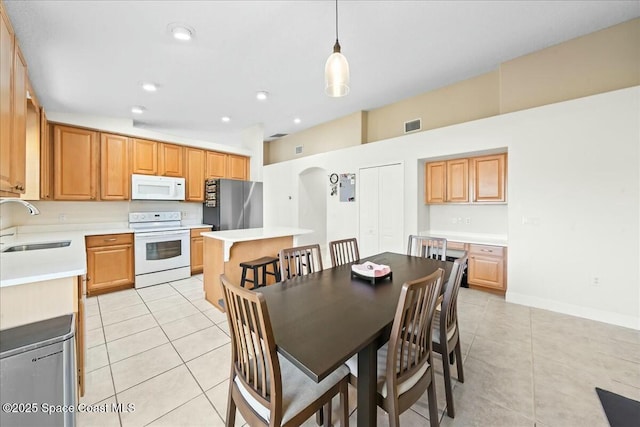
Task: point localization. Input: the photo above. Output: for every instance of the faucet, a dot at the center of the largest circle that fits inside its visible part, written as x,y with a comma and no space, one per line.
32,209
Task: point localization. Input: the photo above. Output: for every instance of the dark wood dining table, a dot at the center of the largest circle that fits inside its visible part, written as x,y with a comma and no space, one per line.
322,319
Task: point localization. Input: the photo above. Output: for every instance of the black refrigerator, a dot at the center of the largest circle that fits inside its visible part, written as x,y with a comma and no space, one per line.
231,204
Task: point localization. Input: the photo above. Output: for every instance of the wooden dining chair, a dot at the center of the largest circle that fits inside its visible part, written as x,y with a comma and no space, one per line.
427,247
299,261
405,363
265,387
445,324
344,251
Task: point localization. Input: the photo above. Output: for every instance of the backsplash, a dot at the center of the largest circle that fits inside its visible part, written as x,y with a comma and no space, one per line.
484,219
93,212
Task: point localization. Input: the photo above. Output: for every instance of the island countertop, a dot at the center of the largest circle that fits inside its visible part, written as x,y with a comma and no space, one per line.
248,234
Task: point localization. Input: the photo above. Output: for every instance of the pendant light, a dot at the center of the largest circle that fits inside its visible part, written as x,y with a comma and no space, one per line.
336,70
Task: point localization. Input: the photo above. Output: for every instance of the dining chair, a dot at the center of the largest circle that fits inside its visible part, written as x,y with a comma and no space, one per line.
264,386
445,324
427,247
405,363
299,261
344,251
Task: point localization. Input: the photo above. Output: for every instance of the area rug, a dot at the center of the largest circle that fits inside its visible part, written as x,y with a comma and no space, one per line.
621,411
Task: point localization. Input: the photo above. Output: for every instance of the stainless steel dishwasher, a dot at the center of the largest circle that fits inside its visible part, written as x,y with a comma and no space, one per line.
38,374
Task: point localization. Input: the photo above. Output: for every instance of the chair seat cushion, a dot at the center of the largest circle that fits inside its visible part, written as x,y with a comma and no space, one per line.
298,390
436,330
381,374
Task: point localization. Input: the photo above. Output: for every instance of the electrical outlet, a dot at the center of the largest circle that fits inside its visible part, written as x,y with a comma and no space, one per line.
596,281
454,220
467,220
62,217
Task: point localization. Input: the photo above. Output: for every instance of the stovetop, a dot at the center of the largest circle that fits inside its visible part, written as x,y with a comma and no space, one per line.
155,221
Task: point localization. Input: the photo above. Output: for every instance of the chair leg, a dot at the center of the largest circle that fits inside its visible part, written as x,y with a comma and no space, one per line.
448,390
327,414
458,350
451,359
231,408
320,416
434,415
344,404
244,277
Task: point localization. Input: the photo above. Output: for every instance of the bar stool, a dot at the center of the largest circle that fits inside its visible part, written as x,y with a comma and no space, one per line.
256,265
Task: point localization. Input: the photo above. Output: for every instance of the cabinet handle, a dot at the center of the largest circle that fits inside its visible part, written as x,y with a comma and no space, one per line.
88,278
486,250
19,187
113,239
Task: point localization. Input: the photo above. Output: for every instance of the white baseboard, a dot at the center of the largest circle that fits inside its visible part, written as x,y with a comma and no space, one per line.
574,310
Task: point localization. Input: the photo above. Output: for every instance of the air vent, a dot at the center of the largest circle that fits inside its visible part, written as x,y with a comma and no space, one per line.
412,125
278,135
299,149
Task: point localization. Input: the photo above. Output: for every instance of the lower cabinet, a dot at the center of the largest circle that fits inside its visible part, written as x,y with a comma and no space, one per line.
80,333
487,267
197,249
109,263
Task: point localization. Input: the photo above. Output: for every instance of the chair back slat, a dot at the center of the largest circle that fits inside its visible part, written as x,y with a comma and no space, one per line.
344,251
254,358
449,312
410,341
300,261
427,247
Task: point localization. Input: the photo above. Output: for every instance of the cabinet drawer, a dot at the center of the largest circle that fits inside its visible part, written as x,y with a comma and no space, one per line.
497,251
458,246
109,240
195,232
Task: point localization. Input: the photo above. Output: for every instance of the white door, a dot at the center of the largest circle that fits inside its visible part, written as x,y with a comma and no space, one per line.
381,199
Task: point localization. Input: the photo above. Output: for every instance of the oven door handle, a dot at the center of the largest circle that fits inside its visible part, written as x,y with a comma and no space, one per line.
161,233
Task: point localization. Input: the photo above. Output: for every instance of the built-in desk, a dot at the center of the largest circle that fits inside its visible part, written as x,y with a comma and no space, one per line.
225,250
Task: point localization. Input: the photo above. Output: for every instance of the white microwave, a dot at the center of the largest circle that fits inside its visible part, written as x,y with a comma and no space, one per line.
151,187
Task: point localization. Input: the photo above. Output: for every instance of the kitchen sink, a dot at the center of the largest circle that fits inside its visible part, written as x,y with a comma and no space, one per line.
36,246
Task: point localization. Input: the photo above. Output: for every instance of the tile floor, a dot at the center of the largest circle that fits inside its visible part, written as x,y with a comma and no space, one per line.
167,351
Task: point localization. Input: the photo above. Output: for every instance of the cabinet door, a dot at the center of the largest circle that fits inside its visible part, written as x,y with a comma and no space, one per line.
216,165
486,271
197,251
489,177
237,167
144,156
457,188
109,267
114,167
75,163
194,164
170,160
435,184
19,130
46,158
6,119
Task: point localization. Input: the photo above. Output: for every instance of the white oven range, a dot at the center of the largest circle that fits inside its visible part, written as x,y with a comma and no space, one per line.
162,247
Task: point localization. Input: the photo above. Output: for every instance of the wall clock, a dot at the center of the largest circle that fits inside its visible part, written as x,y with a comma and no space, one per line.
333,178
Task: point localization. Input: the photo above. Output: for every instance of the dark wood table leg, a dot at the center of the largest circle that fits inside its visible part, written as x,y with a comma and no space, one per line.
367,372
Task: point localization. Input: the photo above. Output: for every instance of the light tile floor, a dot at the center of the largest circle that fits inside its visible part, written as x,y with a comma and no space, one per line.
167,351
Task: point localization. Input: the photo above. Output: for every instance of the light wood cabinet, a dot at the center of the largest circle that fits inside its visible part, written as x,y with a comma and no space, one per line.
197,249
467,180
238,167
115,180
13,111
109,263
144,156
46,158
489,178
170,160
194,165
75,163
487,267
80,332
216,165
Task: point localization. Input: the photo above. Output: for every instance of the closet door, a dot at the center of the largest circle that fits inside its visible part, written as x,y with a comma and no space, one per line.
391,209
368,201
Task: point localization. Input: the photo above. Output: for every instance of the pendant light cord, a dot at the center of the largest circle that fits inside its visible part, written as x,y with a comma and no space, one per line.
336,20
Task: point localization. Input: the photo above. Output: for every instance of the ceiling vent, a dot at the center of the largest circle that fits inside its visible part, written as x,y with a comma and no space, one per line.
298,149
278,135
412,125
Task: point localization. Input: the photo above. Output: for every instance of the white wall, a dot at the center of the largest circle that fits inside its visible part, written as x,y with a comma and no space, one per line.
573,170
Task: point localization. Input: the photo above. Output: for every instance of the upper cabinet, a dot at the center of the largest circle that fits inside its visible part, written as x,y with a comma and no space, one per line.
489,178
144,156
195,166
238,167
216,166
115,180
467,180
13,111
170,160
75,163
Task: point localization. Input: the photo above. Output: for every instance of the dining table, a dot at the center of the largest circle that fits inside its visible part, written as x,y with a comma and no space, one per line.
321,320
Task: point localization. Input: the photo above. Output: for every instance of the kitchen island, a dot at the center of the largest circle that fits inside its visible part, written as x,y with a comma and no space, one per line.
225,250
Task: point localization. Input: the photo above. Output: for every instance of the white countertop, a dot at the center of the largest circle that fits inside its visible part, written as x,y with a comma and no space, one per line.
249,234
476,238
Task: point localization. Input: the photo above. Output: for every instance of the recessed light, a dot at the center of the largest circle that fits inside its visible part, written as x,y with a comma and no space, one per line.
226,119
262,95
181,32
138,109
296,120
149,87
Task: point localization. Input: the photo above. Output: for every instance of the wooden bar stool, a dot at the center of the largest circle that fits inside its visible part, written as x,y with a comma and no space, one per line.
256,265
